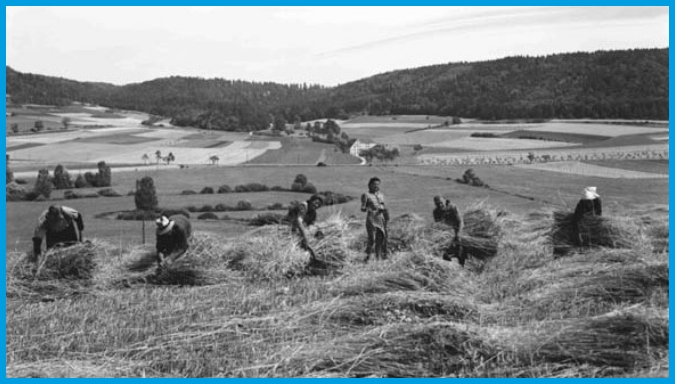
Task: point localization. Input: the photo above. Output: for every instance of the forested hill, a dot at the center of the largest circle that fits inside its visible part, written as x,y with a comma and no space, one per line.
630,84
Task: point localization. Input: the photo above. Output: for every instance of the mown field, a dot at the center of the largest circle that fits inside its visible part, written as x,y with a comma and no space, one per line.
244,302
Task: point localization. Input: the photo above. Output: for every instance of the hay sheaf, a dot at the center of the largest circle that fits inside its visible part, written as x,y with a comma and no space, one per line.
593,231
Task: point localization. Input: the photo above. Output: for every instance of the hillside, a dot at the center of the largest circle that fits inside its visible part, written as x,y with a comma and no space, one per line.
628,84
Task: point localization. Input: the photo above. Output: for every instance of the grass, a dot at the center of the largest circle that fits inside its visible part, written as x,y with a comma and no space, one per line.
648,166
242,314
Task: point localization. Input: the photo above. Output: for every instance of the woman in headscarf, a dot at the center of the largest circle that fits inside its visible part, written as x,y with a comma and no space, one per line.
377,217
589,205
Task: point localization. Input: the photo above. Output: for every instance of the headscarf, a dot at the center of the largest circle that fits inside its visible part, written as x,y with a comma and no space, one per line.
164,225
590,193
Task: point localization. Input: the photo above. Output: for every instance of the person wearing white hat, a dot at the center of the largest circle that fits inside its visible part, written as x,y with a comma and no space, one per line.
589,205
173,233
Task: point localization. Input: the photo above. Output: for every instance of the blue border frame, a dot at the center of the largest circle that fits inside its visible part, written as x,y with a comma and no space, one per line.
300,3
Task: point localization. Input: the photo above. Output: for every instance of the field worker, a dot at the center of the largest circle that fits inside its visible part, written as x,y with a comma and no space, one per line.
59,225
377,218
453,218
589,205
173,233
439,210
301,217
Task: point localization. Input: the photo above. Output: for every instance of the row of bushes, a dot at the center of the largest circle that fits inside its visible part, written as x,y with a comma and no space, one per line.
151,215
251,187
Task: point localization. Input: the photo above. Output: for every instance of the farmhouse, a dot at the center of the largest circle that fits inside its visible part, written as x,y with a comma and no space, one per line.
360,145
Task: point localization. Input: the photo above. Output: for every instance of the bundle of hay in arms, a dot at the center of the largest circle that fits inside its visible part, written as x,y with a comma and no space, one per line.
596,231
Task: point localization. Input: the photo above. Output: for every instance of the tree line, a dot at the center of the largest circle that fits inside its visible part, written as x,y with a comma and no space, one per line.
630,84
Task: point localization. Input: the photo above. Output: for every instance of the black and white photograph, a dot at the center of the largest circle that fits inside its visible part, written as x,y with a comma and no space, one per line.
337,191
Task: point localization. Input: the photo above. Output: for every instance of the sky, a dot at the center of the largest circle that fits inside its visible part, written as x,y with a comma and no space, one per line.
314,45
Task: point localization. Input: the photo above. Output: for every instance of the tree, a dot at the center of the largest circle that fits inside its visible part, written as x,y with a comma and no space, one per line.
38,126
279,123
146,195
214,159
62,178
66,122
104,175
158,155
14,127
145,158
171,157
43,186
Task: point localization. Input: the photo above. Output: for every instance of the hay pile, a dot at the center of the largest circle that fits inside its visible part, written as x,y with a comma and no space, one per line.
59,272
595,231
623,341
429,349
202,264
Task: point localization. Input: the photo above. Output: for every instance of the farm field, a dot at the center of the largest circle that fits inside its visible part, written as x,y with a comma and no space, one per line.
244,303
577,167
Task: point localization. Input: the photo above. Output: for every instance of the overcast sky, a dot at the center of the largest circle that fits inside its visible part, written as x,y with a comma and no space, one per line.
318,45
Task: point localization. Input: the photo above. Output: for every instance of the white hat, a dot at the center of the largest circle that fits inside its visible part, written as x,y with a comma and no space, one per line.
590,193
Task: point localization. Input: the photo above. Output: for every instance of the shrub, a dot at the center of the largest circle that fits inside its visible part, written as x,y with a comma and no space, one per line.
251,187
300,179
81,182
222,208
267,218
175,211
206,190
146,196
321,164
191,208
224,189
9,176
104,175
275,206
138,215
207,216
206,208
15,192
21,181
188,192
43,186
484,134
109,192
278,188
244,205
69,194
62,178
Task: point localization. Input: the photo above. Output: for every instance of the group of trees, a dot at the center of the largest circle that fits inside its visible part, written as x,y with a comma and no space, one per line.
605,84
379,152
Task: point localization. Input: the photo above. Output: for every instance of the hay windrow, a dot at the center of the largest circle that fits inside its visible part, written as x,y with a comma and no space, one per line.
399,350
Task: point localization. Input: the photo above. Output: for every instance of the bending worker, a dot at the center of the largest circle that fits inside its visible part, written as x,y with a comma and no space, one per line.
59,225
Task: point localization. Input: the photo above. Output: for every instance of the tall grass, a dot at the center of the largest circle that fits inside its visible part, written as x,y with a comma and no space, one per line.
256,306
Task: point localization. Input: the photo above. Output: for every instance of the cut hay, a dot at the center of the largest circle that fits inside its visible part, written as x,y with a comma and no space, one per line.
202,264
596,231
480,220
479,247
430,349
73,262
591,291
409,272
403,232
393,307
625,341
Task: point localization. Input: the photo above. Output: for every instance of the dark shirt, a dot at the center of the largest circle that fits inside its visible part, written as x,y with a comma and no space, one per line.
588,207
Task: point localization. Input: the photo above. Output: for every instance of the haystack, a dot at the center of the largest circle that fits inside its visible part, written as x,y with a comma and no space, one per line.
595,231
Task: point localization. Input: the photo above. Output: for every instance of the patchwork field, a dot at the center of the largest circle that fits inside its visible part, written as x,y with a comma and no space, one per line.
579,168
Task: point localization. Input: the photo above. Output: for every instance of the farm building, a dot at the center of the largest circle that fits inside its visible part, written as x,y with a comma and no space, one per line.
360,145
